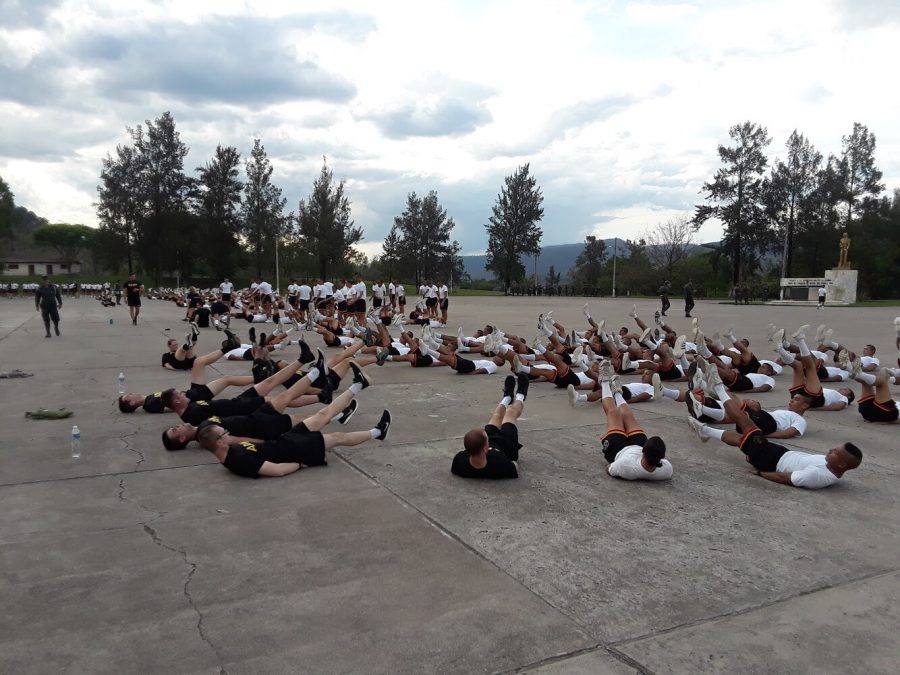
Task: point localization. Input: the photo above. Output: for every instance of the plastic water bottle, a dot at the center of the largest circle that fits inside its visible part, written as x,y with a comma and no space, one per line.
76,442
121,383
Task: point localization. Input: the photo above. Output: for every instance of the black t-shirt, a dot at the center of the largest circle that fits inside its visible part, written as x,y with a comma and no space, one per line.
194,300
264,423
201,316
186,364
133,288
219,308
498,466
153,403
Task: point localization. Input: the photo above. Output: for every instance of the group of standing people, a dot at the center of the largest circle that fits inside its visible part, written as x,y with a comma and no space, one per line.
666,290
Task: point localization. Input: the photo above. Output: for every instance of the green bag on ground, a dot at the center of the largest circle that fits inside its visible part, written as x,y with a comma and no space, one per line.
44,414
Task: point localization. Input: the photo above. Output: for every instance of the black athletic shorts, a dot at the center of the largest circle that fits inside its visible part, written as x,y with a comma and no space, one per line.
764,421
359,306
505,439
393,351
445,303
822,374
293,300
751,367
760,451
818,400
304,305
336,342
422,360
342,306
134,302
386,321
298,445
376,302
565,380
872,411
199,392
614,441
401,299
671,374
741,383
226,297
430,302
464,366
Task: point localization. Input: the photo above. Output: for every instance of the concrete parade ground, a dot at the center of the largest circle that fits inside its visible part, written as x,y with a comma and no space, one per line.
132,559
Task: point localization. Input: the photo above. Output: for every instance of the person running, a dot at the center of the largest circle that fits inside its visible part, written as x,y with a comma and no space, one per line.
48,301
492,452
775,462
631,455
688,298
133,290
303,446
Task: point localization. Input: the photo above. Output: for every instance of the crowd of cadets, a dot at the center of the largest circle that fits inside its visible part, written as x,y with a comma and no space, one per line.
12,289
709,375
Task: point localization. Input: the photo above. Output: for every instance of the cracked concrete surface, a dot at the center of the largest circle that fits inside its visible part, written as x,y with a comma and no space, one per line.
134,559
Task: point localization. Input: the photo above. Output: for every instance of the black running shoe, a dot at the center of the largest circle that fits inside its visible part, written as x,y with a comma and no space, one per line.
347,413
384,424
327,393
306,355
252,335
320,363
524,381
509,387
381,356
359,376
262,339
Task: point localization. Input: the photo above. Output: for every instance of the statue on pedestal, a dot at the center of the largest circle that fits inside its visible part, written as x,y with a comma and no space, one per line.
845,249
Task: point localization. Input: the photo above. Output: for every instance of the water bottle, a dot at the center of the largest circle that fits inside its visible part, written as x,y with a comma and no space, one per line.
121,383
76,442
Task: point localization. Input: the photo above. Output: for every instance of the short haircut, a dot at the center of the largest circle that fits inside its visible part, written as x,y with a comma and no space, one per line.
206,434
166,397
853,450
654,451
806,398
170,443
474,441
851,396
872,347
126,407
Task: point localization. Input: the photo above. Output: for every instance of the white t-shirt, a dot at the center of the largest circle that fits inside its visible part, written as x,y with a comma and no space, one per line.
443,291
400,347
821,291
785,419
293,290
488,365
391,288
774,366
360,290
319,290
837,372
760,380
869,361
807,470
226,287
834,396
304,291
725,359
627,465
637,388
264,288
339,296
328,288
378,291
431,291
401,292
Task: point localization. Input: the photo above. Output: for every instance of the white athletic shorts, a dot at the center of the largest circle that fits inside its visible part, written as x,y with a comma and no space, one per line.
487,364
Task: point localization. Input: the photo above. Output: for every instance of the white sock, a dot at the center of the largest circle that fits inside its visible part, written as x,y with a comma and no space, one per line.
712,432
685,364
539,349
605,390
703,350
868,378
462,348
671,393
717,414
505,401
831,343
785,355
525,369
433,354
527,357
389,357
650,343
375,433
356,387
520,397
619,399
581,398
313,374
337,417
721,393
804,348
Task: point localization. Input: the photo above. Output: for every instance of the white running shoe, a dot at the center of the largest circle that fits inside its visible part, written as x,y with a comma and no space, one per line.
698,428
573,395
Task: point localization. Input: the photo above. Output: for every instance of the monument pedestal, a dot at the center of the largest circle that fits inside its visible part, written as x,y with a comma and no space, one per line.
840,285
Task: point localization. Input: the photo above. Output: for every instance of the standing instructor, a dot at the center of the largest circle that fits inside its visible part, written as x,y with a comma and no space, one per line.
133,289
48,300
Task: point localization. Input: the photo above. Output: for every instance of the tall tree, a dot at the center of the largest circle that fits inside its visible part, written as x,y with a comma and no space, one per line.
7,204
552,279
325,225
262,212
217,204
668,243
119,208
589,263
391,253
860,175
423,232
734,196
788,193
67,240
513,228
819,220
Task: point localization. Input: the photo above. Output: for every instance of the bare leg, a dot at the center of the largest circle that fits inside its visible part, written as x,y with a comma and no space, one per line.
198,370
265,387
322,417
346,439
220,384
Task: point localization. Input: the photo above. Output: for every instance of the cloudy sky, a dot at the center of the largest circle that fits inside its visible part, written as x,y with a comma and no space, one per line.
618,106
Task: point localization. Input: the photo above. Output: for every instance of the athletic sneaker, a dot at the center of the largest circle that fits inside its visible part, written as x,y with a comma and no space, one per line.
800,333
678,349
217,325
523,382
320,362
306,355
262,339
384,424
626,361
605,370
712,377
195,331
516,363
615,384
600,324
644,335
698,428
696,405
348,412
657,386
820,333
573,395
576,355
252,333
381,357
587,314
509,386
326,396
633,313
777,338
855,367
359,376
